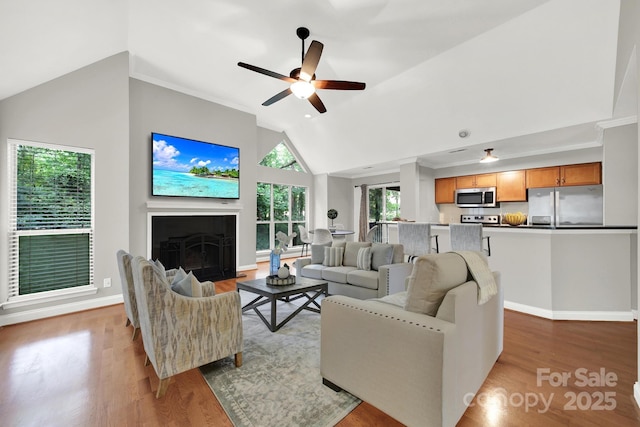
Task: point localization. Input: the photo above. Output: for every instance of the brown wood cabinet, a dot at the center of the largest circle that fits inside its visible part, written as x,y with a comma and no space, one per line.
580,174
445,190
473,181
511,186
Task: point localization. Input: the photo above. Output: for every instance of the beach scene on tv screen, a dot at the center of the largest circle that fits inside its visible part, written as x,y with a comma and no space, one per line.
183,167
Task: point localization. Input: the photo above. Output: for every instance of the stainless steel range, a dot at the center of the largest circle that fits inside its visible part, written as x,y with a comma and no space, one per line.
480,219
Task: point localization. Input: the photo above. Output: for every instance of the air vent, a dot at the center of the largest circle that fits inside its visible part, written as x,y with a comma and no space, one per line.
458,151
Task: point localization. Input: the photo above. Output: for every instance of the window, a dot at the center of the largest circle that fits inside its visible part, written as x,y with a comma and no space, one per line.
384,203
50,220
280,208
281,158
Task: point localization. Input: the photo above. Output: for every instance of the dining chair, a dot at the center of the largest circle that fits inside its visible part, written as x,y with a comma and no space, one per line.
305,238
374,235
416,238
321,235
468,237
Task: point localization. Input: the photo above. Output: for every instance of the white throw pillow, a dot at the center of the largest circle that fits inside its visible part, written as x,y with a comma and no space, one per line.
333,257
364,259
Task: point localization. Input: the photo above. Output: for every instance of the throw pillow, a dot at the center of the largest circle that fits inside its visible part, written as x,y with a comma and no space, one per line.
364,259
351,252
180,274
188,286
333,257
381,254
157,265
317,253
432,277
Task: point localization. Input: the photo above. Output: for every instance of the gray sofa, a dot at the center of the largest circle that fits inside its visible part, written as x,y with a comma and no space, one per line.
386,274
421,369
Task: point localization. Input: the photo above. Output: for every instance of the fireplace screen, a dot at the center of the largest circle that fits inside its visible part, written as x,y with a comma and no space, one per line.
205,245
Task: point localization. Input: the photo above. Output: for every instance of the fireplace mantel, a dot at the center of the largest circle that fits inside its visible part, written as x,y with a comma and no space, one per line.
182,205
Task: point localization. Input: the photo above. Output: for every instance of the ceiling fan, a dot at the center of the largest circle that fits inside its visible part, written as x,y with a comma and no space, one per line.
303,80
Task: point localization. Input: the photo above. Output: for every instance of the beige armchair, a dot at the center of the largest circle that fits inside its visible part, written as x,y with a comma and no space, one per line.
129,294
421,369
181,333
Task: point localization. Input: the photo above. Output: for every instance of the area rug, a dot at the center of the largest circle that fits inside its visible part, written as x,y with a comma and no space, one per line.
279,383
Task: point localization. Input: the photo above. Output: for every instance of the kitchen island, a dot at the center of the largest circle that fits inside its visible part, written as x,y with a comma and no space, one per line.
569,273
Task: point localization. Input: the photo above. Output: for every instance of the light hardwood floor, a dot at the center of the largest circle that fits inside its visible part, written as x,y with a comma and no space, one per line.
83,369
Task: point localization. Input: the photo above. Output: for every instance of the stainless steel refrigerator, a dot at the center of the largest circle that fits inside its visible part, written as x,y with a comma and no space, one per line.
566,206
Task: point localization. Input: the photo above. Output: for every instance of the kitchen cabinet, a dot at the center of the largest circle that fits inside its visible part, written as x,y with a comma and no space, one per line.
580,174
511,186
473,181
445,190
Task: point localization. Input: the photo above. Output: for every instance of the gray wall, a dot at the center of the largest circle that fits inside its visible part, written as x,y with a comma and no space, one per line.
156,109
620,175
87,108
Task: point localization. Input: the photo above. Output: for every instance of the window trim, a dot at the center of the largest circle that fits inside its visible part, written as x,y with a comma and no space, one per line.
260,253
11,288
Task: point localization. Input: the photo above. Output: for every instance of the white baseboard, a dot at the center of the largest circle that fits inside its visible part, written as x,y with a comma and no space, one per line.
57,310
248,267
528,309
609,316
636,393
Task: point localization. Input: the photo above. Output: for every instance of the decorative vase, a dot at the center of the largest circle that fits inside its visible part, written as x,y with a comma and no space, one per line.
283,272
274,264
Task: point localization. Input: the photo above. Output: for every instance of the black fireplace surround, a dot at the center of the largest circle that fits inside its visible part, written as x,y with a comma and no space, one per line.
202,244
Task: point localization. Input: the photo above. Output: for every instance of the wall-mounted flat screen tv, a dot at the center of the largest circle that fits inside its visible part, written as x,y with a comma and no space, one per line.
188,168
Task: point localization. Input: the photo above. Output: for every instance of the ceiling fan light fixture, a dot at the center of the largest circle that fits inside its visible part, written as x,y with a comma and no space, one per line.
302,89
488,157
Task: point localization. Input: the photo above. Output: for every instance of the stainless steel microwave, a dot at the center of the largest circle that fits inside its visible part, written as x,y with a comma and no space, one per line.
476,197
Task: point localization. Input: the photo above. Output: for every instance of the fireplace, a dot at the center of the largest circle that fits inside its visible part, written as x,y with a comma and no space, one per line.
202,244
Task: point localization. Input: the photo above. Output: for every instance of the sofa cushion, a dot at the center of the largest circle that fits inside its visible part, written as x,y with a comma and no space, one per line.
364,279
381,254
313,271
432,277
317,253
337,274
333,257
364,259
351,252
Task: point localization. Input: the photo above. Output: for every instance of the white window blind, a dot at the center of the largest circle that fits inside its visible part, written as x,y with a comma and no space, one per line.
51,219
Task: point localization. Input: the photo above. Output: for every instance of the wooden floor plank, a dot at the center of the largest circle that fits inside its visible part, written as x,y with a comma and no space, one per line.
84,369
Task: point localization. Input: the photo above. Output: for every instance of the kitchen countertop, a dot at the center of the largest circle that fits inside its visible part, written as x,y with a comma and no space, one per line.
549,227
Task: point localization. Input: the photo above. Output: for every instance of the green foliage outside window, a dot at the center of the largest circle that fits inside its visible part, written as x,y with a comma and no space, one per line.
384,203
288,204
281,158
280,202
264,202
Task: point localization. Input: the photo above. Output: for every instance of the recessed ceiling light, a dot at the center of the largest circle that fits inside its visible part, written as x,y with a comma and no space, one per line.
459,150
307,116
463,133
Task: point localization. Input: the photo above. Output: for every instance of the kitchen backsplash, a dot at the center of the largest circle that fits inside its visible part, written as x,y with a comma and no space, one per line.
449,213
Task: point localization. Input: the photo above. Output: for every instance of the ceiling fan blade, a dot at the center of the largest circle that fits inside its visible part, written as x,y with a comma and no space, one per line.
277,97
338,84
311,59
314,99
266,72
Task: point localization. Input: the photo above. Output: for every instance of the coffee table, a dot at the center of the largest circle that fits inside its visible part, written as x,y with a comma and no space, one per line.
271,294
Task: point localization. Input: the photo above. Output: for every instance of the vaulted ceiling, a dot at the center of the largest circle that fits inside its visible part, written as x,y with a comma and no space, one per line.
522,76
